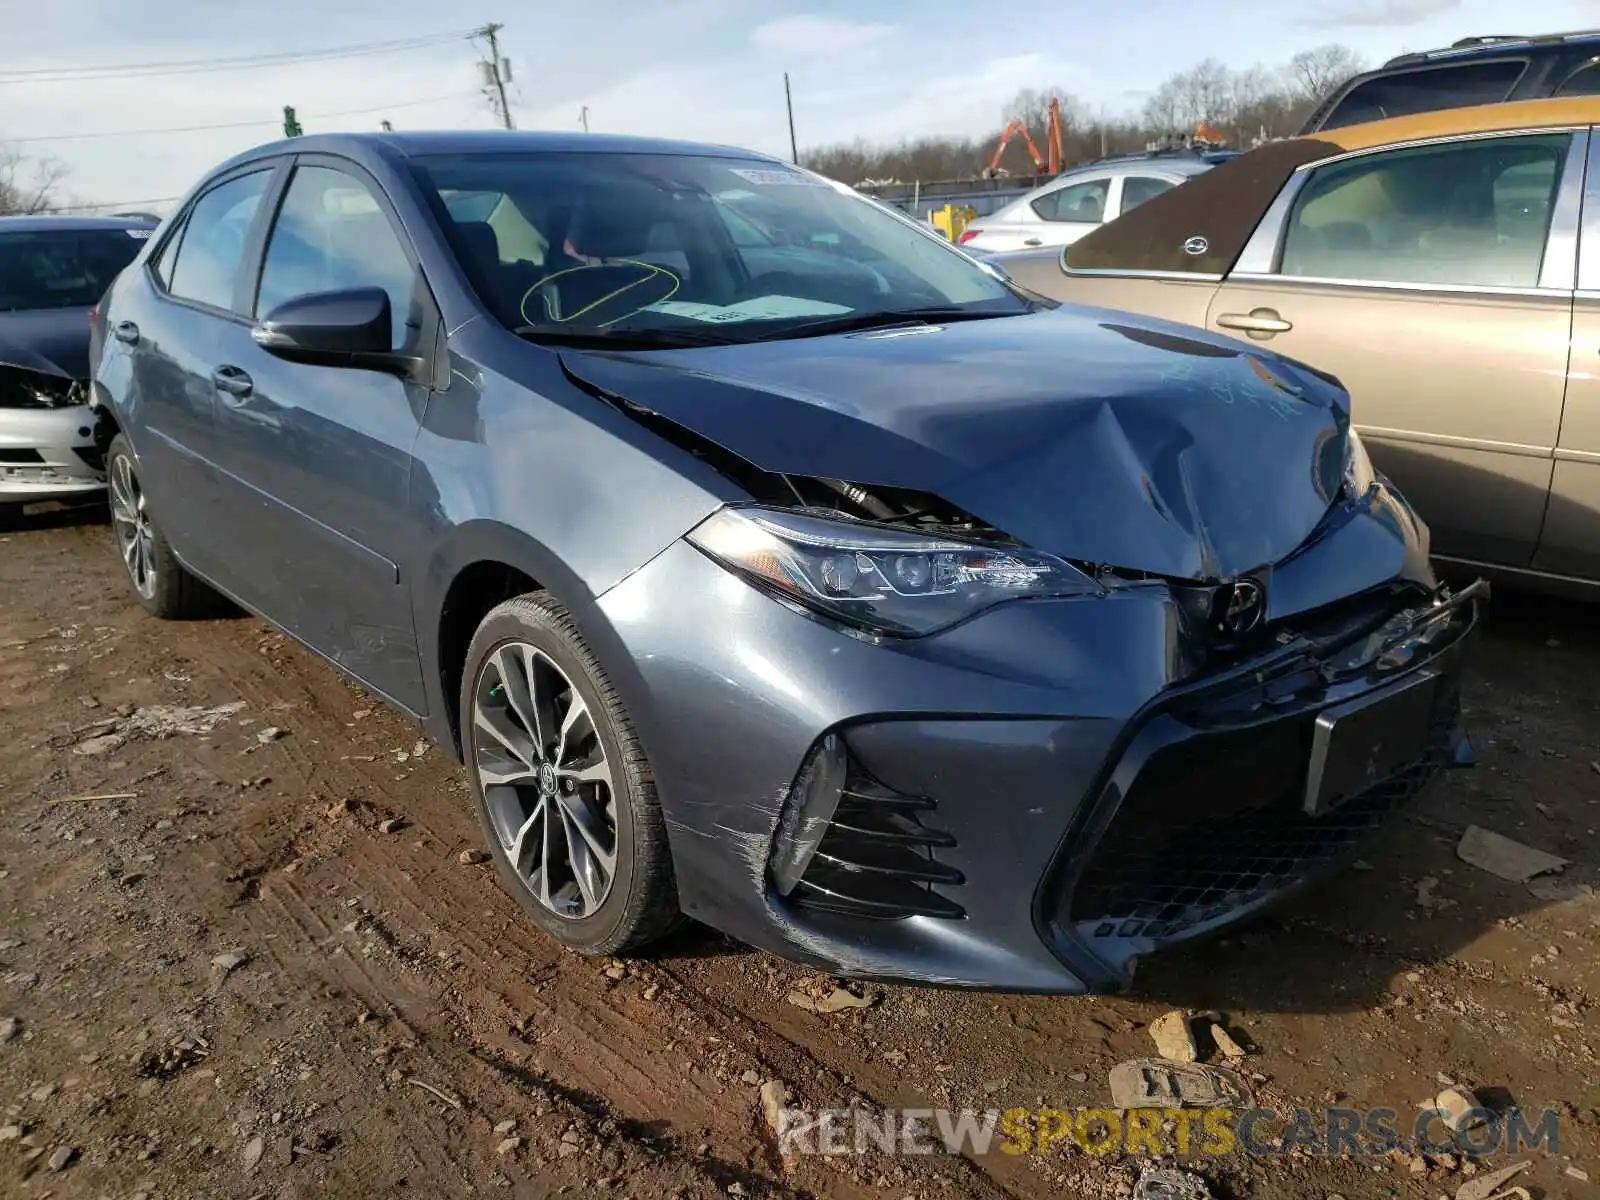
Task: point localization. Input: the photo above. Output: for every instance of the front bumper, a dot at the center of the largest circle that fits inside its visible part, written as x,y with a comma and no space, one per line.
48,454
1036,756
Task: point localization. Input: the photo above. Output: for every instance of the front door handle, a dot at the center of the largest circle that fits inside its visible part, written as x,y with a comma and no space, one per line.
233,381
1032,242
1263,322
126,331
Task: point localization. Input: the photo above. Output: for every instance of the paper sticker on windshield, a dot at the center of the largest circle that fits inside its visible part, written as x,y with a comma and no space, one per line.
138,235
777,178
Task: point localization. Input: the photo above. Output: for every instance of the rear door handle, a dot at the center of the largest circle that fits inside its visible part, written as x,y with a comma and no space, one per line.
233,381
1257,320
126,331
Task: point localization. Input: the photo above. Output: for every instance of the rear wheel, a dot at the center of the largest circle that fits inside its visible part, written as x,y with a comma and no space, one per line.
159,581
561,784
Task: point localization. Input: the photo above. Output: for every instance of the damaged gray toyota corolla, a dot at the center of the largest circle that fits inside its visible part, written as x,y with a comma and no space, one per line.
769,562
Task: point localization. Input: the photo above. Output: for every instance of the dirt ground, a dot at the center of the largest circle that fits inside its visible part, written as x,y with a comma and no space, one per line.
251,962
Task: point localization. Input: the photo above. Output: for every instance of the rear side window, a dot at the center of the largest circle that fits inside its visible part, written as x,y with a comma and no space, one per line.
1468,214
1585,81
1136,189
167,256
211,253
1083,202
1427,90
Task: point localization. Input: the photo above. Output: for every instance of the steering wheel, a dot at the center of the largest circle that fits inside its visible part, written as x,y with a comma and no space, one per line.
599,294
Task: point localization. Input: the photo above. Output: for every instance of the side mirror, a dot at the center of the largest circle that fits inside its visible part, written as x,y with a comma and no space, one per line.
350,328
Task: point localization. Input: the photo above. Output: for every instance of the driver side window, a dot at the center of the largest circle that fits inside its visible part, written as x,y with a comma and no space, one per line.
331,235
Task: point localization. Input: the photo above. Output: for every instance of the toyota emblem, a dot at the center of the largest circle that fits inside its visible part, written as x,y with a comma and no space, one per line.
1196,246
1243,608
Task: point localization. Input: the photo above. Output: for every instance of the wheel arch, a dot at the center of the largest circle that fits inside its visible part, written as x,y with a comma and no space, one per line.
484,563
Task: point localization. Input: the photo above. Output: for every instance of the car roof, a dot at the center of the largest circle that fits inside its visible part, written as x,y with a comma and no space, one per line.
45,223
1552,113
1135,164
1490,45
1220,209
394,146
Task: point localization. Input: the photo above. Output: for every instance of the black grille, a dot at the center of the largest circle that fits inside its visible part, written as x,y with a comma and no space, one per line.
1215,823
878,858
20,456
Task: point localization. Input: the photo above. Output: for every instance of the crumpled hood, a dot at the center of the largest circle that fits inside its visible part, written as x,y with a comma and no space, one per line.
51,341
1092,434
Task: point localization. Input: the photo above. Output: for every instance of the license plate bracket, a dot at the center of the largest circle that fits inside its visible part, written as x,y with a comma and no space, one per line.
1363,741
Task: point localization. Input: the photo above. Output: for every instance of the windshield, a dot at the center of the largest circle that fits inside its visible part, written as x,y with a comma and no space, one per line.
63,268
700,248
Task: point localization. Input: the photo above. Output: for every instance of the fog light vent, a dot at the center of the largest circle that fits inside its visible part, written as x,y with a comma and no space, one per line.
810,807
847,844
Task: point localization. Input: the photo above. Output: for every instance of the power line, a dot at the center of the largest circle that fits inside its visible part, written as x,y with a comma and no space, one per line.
127,204
122,133
238,62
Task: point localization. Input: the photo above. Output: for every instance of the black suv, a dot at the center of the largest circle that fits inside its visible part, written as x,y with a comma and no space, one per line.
1475,70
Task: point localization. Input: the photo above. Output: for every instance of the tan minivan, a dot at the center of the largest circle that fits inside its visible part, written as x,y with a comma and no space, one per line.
1446,267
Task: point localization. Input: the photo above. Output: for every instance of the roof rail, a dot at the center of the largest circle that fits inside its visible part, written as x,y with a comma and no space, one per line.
1484,41
1153,152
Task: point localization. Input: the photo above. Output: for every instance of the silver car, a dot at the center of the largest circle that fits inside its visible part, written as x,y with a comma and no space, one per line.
1080,200
52,272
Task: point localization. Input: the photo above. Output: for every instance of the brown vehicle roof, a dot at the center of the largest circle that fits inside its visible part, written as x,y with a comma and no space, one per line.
1224,205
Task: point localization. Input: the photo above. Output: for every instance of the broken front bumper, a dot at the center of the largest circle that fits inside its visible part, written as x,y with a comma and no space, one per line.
48,454
1232,793
991,770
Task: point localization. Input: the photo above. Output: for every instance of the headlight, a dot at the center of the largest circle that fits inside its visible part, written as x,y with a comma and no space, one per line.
1358,473
884,579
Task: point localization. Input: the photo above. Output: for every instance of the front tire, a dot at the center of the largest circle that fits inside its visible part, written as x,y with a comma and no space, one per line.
160,583
561,785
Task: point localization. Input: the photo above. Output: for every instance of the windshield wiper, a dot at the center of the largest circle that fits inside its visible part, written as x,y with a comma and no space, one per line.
881,319
620,339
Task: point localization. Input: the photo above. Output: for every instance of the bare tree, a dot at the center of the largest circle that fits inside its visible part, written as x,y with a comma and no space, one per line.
1245,104
27,184
1205,92
1314,73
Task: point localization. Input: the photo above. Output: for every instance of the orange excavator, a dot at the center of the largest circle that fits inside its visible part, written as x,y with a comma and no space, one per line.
1041,164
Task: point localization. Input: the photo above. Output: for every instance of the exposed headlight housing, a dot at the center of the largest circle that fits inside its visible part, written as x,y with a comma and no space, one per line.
888,580
22,388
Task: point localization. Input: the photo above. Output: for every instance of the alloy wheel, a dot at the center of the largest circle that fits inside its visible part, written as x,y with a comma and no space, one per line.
131,521
547,784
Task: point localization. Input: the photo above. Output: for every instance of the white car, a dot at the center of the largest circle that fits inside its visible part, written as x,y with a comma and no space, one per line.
1078,201
52,271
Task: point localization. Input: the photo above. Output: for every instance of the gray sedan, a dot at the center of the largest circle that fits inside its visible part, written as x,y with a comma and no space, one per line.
768,562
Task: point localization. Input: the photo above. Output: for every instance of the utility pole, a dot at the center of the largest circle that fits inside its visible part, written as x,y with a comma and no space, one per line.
583,117
495,73
788,100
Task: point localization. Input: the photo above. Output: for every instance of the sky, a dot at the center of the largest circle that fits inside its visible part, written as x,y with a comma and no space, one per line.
709,70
